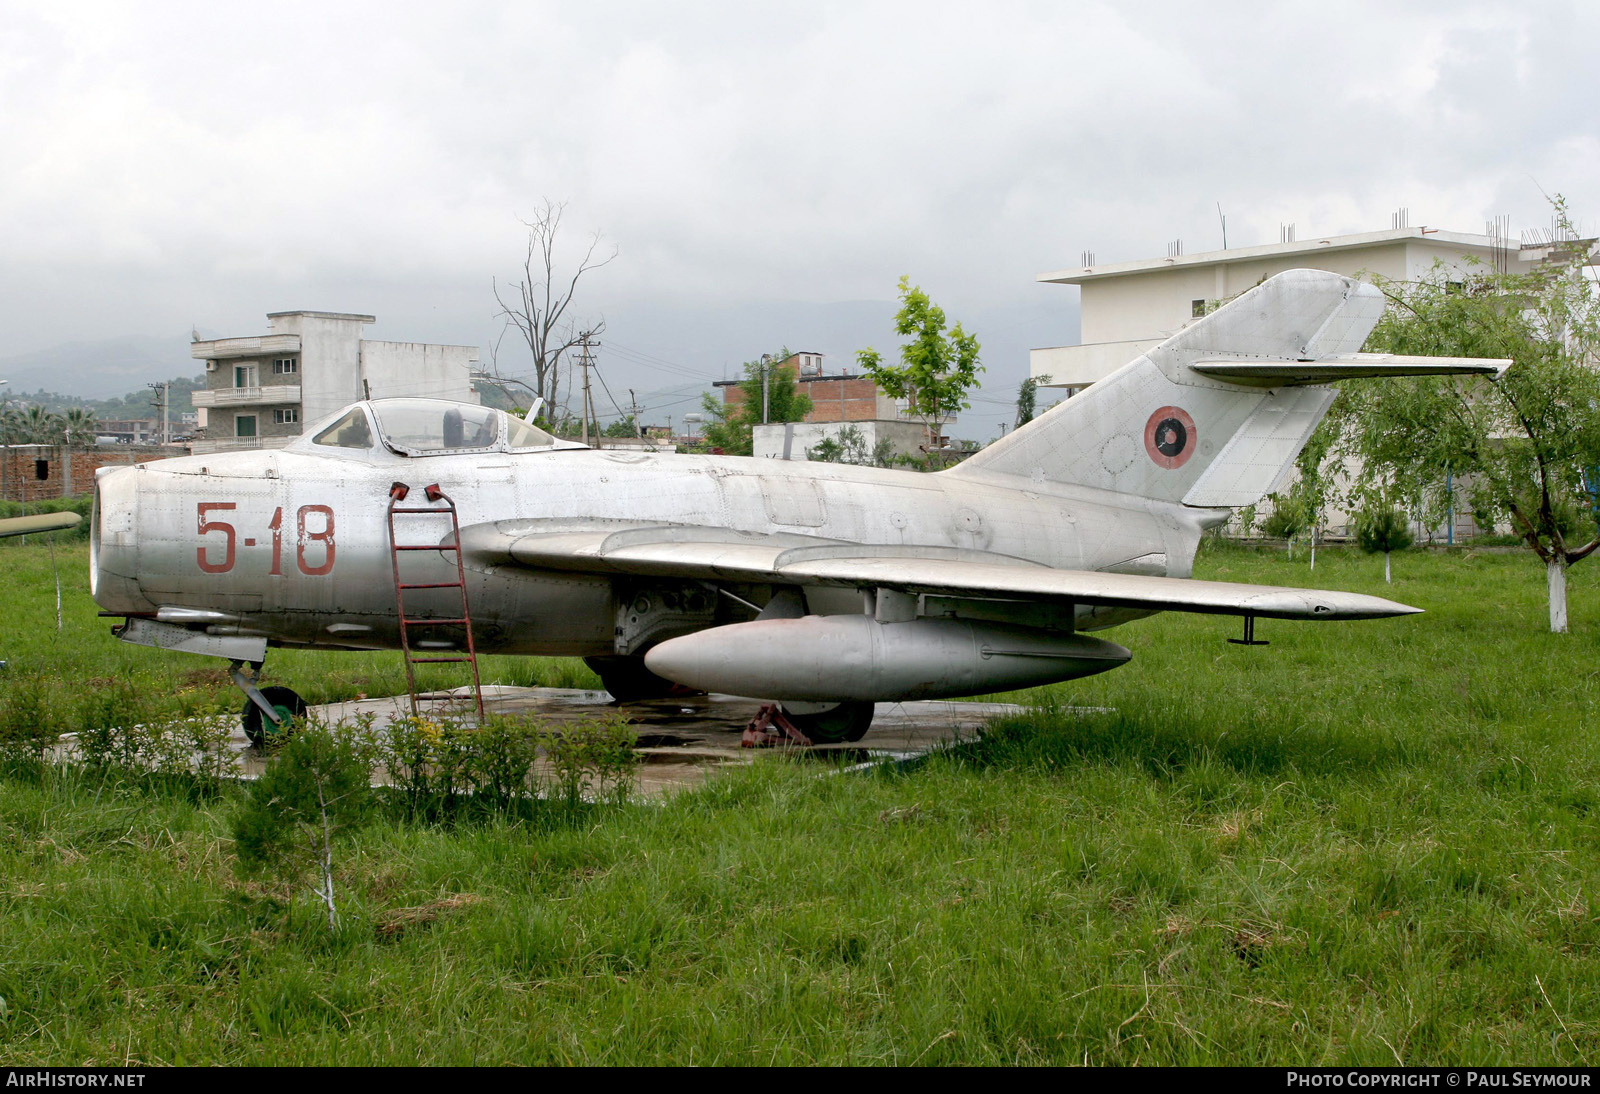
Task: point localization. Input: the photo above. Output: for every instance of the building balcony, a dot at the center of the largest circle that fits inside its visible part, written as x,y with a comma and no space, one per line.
1080,366
277,395
265,345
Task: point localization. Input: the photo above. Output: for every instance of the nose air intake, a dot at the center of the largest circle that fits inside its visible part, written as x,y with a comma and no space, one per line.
113,547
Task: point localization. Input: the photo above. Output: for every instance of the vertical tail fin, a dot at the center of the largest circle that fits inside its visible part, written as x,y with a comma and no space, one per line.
1159,428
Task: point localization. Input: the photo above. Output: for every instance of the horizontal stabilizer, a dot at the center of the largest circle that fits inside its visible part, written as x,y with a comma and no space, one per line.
1259,372
721,554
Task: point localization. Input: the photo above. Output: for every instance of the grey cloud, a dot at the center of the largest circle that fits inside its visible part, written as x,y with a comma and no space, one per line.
205,163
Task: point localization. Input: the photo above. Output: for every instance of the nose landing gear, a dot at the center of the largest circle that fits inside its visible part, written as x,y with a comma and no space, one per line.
267,711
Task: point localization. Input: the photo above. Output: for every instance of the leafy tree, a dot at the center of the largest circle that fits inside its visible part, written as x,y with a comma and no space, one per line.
13,430
313,791
936,369
1518,445
728,425
40,426
1291,515
849,445
1300,511
78,424
1380,526
1028,399
622,427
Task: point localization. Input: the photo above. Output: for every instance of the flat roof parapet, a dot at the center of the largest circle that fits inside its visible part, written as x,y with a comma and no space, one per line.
325,315
1310,245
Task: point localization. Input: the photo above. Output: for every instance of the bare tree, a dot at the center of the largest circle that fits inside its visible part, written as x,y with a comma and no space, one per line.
538,303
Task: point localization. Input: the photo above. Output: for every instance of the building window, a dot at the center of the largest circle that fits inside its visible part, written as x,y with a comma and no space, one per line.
244,376
244,425
1197,308
285,366
287,416
41,469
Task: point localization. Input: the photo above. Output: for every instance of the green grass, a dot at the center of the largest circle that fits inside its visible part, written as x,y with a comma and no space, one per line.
1367,841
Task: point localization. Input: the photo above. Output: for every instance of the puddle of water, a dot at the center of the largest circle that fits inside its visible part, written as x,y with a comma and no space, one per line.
681,741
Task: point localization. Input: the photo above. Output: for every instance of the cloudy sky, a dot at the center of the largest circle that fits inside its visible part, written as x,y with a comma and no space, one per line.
766,172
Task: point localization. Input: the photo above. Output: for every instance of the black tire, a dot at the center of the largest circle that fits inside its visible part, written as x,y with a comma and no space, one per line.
285,700
845,722
628,680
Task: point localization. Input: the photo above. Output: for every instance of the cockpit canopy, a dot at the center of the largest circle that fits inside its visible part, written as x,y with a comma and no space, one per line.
432,427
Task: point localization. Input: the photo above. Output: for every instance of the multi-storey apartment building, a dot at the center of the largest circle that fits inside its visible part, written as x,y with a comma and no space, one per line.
264,389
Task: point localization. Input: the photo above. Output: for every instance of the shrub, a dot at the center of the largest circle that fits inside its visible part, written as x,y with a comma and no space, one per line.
1382,528
316,788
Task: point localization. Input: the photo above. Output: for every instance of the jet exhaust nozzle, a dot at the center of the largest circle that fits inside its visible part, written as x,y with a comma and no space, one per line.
855,657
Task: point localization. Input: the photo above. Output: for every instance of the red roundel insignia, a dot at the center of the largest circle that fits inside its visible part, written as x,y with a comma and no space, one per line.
1169,437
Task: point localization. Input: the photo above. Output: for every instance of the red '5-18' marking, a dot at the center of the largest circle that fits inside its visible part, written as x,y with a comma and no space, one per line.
304,537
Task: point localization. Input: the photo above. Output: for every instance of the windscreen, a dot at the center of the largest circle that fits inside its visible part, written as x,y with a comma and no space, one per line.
520,434
350,431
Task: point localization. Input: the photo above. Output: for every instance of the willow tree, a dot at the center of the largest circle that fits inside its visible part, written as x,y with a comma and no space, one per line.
1523,448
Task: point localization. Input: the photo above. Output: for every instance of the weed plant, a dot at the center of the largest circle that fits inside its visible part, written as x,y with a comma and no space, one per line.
1366,843
441,767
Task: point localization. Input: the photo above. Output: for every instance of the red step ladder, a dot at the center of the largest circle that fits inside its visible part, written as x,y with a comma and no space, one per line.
397,494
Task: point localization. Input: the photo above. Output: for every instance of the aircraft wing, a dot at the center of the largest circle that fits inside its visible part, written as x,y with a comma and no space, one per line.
712,554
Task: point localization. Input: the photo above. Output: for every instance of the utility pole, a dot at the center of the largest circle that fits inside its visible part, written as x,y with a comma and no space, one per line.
5,442
633,404
586,359
766,368
161,404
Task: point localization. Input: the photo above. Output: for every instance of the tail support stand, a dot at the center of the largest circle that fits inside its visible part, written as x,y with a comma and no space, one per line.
770,728
1249,638
397,494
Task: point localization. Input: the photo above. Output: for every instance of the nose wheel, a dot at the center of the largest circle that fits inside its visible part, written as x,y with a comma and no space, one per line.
267,711
845,722
774,724
286,704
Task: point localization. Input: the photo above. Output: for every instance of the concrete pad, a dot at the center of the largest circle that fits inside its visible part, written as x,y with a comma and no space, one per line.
682,741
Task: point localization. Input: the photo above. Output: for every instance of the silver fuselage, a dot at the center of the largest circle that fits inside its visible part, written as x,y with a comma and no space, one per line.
293,545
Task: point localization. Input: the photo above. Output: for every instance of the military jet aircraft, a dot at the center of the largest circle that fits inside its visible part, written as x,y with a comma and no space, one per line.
823,587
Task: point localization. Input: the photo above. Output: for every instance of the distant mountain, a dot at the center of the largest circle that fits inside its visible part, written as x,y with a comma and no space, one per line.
99,370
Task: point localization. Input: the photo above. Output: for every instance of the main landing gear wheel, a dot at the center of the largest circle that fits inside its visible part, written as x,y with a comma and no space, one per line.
285,701
629,681
845,722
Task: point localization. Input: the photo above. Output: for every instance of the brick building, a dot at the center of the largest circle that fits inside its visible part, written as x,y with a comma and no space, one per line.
842,397
35,472
836,400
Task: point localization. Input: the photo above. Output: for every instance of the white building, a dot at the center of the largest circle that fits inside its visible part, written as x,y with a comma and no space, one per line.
1127,307
263,389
